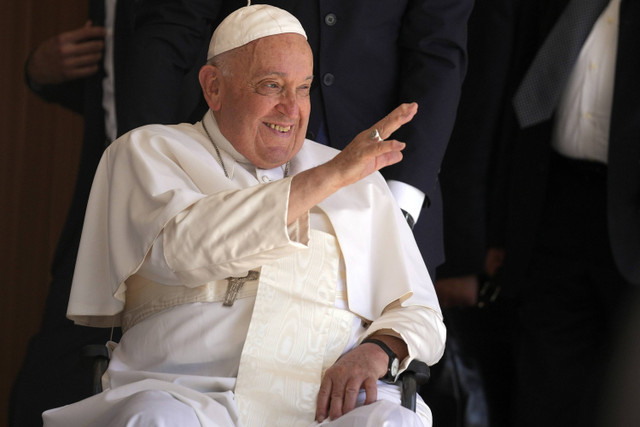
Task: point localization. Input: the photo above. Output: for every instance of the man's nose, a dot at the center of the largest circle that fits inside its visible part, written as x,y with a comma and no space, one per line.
289,103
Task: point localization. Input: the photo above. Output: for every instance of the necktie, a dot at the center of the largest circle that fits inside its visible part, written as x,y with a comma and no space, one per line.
539,91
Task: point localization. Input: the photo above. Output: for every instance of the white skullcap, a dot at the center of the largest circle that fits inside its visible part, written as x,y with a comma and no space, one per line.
250,23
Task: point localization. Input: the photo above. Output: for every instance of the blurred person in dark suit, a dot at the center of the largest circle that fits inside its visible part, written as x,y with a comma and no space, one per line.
474,381
567,201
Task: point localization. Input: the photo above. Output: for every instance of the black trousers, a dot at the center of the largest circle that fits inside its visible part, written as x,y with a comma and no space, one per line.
571,303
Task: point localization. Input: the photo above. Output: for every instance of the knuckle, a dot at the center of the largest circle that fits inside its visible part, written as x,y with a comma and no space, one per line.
352,389
323,392
336,394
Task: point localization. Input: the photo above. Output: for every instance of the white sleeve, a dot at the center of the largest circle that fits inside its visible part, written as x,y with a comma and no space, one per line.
421,328
226,234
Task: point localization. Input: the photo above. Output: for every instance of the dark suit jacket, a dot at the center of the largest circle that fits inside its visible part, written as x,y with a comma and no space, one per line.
465,175
377,55
528,151
370,57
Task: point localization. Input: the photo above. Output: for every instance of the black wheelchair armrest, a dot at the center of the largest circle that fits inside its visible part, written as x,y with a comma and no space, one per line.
416,374
99,354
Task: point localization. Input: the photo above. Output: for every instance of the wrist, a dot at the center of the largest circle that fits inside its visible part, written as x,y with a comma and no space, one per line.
393,363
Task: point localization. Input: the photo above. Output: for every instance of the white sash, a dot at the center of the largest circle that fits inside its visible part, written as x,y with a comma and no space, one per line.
296,333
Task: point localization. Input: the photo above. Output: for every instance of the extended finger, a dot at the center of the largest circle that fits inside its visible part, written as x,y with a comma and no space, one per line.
83,33
90,47
390,157
337,399
83,60
350,395
82,72
394,120
322,403
370,390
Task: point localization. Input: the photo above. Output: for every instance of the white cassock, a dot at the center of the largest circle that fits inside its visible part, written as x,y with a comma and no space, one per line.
164,229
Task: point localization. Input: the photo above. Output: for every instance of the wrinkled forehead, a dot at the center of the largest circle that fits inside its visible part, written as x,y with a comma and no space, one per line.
288,54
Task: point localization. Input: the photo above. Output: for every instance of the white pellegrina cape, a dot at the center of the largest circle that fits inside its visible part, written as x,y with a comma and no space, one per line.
153,173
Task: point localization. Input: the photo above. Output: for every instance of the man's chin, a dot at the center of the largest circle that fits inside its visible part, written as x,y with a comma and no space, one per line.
278,156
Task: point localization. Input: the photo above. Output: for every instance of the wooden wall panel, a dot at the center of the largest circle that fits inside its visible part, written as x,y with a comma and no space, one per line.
39,151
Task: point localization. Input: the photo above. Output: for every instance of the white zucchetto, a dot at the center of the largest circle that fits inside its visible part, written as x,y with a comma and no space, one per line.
250,23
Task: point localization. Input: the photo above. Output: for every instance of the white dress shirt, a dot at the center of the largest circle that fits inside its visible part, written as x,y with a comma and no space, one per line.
584,112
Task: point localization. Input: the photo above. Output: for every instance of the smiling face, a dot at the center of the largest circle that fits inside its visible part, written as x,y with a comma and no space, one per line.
261,100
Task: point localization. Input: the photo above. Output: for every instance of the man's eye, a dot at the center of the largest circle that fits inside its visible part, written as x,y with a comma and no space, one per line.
304,90
269,88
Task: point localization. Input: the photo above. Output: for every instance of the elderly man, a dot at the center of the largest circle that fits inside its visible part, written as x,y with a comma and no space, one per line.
259,278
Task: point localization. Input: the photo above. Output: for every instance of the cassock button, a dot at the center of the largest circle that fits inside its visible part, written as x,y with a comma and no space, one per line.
330,19
328,79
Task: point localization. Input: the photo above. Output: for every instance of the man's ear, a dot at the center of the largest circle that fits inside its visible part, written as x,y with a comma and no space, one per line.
210,81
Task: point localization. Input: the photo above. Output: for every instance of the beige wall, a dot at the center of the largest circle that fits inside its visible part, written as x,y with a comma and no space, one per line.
39,150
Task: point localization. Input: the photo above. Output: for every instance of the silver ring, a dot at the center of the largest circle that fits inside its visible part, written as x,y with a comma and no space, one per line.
375,134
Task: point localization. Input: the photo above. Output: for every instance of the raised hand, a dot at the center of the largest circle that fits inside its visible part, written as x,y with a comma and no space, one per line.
363,156
366,154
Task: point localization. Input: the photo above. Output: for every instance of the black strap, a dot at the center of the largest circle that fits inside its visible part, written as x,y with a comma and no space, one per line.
392,356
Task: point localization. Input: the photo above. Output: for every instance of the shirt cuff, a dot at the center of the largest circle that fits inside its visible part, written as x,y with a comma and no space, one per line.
408,197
